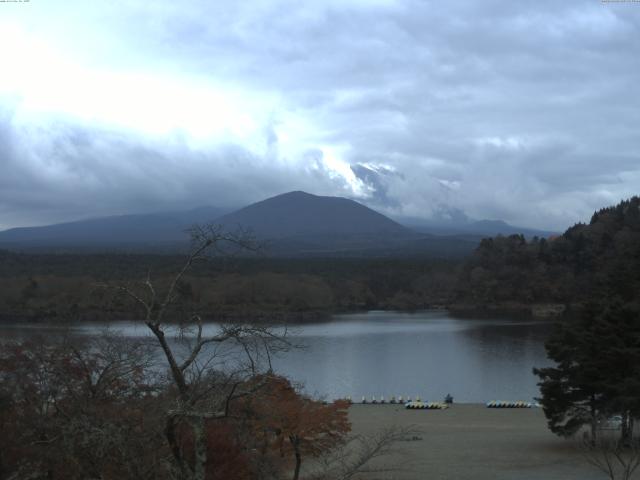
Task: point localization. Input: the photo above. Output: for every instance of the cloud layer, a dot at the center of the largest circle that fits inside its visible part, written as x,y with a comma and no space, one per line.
523,111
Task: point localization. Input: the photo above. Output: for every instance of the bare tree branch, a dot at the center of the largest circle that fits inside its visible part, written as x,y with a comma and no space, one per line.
366,454
617,459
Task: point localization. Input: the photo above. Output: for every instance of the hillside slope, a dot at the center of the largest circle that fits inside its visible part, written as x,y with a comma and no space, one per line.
602,258
116,231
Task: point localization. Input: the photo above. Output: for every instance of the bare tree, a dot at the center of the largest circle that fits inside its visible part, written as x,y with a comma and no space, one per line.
80,409
198,361
365,455
614,457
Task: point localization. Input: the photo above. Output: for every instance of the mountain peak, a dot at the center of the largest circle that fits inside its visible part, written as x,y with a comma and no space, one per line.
290,196
300,213
296,193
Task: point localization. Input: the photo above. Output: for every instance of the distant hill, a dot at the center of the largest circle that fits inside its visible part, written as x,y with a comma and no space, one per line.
122,231
466,226
293,224
499,227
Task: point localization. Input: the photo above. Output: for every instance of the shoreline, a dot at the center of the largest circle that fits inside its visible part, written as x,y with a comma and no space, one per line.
534,311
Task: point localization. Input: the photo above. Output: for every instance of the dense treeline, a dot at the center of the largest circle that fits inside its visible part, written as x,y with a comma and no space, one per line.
49,286
603,256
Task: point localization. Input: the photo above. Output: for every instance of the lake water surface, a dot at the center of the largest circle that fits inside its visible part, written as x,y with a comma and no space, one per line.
427,353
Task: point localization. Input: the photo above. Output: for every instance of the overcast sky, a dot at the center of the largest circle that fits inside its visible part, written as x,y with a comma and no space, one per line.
526,111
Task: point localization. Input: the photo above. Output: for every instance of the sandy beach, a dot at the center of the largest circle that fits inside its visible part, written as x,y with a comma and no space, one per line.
474,442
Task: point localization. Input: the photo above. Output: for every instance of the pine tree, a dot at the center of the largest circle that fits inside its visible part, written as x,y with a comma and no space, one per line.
571,392
619,331
597,372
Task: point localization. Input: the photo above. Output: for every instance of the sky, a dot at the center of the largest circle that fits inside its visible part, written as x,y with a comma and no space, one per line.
522,111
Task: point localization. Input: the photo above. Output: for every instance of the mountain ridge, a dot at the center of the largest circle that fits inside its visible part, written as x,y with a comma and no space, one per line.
295,223
484,227
157,227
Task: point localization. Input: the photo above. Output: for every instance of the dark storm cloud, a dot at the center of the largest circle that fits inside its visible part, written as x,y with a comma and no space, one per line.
67,172
524,111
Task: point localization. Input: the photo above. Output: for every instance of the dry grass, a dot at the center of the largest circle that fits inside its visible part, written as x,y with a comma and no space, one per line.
474,442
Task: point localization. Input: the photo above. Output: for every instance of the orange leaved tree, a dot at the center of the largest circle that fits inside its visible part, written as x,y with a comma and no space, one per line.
294,425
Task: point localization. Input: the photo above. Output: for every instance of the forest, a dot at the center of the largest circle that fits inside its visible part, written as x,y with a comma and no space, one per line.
65,286
600,257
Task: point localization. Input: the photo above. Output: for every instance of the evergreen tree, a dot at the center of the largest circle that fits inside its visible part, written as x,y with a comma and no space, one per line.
619,331
597,372
571,394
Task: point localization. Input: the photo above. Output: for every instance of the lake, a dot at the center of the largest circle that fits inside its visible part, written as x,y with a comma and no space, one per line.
426,353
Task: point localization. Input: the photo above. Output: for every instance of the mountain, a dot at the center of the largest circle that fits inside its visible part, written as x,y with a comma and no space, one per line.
499,227
292,224
300,214
299,223
122,231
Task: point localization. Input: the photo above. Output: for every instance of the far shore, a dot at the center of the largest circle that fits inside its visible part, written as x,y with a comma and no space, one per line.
472,442
533,311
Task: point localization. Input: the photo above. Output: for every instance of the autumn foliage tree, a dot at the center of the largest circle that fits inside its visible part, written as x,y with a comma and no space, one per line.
293,425
79,411
267,434
95,410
